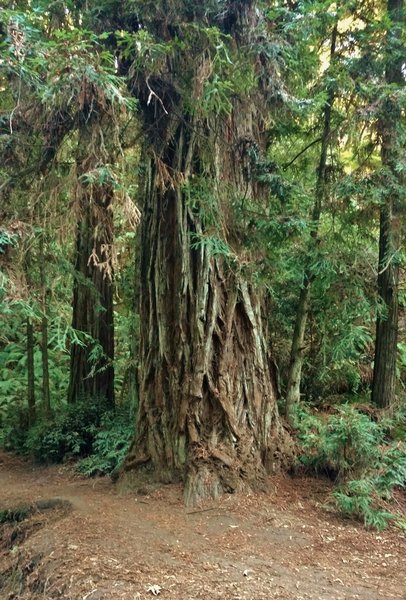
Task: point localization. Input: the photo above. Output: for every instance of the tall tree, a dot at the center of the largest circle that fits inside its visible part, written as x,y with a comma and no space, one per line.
208,411
92,371
392,150
298,339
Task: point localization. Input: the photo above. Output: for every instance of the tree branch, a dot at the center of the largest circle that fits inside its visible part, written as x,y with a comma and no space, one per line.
316,141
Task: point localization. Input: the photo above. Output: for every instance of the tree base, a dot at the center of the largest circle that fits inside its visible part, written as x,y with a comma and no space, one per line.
207,476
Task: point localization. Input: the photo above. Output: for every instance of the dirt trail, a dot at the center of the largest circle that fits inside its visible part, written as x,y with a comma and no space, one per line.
111,546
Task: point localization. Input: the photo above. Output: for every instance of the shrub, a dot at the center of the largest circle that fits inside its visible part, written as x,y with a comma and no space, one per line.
369,498
70,433
110,444
359,499
395,424
344,443
84,429
359,454
13,427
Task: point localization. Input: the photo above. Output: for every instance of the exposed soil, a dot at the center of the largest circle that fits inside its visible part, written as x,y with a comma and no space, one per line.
109,545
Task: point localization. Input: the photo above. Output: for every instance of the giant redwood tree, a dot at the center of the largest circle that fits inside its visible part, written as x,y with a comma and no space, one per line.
208,412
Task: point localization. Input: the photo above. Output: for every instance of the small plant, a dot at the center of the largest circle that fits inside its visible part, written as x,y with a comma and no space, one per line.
341,444
369,498
110,444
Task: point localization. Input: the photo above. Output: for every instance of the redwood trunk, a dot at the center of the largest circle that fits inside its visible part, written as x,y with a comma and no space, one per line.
384,380
91,375
208,411
208,414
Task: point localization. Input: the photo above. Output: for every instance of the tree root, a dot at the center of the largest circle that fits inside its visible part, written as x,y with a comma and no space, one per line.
24,511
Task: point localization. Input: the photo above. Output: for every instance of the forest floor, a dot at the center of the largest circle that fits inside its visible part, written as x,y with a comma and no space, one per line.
109,546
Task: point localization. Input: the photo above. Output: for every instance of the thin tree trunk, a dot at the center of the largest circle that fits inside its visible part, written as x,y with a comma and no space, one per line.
30,342
208,412
298,340
298,348
46,398
130,388
384,379
30,373
93,280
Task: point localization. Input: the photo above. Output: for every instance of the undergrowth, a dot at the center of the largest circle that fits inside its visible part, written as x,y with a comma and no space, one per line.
83,431
110,444
67,435
366,458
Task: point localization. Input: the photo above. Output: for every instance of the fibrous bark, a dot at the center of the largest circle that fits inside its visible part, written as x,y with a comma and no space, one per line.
208,412
92,375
